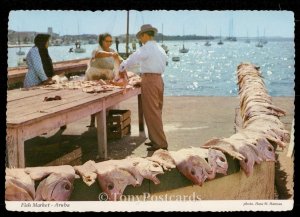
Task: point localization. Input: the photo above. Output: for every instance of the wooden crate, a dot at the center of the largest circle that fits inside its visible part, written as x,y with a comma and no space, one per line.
118,124
118,134
118,115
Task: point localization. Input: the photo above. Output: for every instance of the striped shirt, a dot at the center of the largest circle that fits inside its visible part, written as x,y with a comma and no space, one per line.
36,74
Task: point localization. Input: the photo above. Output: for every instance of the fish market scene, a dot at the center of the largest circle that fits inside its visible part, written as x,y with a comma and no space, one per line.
149,106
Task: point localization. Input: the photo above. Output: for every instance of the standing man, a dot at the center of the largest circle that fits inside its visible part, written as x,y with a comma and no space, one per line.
117,44
152,59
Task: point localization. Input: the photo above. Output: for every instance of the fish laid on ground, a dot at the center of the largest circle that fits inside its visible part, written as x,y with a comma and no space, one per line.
18,185
250,153
56,187
192,166
148,169
215,158
218,162
217,143
37,173
113,181
240,149
163,158
115,175
87,171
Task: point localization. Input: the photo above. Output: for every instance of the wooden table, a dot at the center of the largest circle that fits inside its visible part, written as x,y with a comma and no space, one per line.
17,74
29,116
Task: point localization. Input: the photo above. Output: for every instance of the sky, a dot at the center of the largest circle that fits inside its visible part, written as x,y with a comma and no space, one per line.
184,22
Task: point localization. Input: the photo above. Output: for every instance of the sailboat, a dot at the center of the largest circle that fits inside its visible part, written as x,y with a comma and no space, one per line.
183,49
20,52
259,43
264,40
231,37
78,48
165,47
220,42
207,43
247,40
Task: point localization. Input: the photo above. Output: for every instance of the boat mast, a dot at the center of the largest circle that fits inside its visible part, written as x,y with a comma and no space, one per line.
183,39
127,34
162,33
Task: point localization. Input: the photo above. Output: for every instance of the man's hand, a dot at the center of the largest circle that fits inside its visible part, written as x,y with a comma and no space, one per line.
121,68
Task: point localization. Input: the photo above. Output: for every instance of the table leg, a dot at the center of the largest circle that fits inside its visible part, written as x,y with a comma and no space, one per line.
101,133
141,115
15,149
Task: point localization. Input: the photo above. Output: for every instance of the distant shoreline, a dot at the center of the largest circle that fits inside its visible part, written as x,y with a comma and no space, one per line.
17,45
179,39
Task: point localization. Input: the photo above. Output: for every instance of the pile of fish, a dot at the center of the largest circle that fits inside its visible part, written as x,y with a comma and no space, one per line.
56,182
261,131
96,86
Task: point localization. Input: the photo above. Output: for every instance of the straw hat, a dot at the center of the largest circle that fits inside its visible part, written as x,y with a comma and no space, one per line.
146,28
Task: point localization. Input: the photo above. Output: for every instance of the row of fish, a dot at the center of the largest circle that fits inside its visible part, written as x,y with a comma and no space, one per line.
261,129
255,141
123,80
56,182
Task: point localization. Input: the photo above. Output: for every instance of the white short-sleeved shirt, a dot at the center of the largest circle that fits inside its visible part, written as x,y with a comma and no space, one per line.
151,56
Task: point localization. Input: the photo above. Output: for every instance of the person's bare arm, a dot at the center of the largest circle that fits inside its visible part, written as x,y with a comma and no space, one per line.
103,54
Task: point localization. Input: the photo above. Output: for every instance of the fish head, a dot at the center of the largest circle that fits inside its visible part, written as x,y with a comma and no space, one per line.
114,182
62,190
148,169
153,170
248,162
56,187
193,170
286,137
14,191
266,149
218,161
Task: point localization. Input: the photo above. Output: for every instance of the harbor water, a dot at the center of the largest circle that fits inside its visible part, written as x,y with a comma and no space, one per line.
208,70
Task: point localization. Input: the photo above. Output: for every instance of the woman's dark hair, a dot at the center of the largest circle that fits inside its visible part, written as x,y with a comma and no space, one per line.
41,39
102,37
40,42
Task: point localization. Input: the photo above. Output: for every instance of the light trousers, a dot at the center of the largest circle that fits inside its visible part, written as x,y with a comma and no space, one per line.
152,87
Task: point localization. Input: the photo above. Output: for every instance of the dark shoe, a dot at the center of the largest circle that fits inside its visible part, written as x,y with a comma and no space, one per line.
92,124
149,143
152,148
63,127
